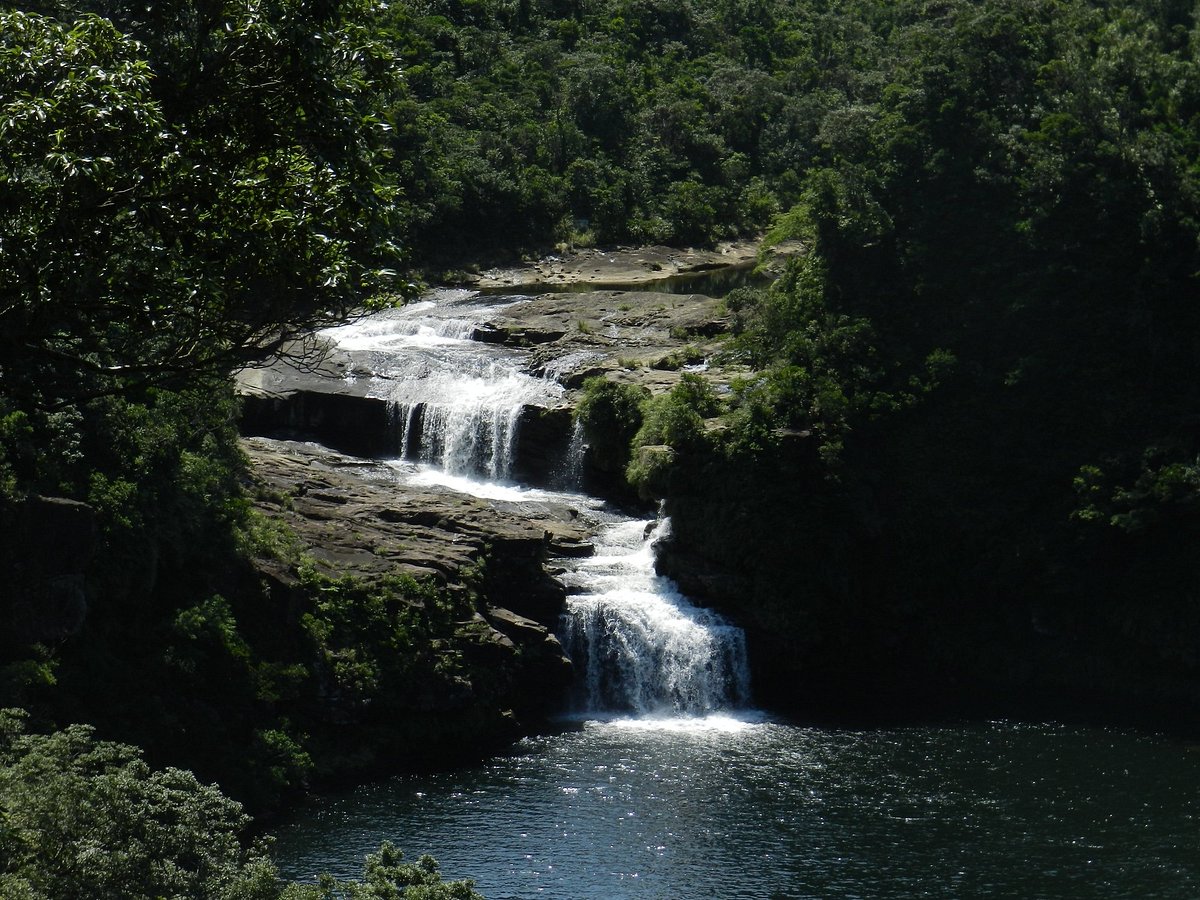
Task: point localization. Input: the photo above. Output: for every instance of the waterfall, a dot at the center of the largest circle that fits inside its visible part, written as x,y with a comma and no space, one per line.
465,422
568,476
638,645
454,402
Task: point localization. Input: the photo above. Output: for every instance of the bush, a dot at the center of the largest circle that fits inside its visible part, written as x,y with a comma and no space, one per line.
611,414
673,422
86,818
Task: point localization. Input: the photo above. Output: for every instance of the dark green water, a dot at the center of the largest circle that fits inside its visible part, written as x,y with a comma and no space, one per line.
728,808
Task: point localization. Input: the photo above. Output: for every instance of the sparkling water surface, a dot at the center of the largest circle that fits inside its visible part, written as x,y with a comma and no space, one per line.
741,807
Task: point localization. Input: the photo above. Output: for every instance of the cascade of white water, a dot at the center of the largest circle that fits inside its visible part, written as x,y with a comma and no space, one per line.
465,418
638,644
455,403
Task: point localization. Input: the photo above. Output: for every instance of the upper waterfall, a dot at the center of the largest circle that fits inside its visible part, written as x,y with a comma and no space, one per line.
456,403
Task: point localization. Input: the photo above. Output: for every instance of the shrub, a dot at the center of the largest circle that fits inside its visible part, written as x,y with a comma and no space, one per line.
611,414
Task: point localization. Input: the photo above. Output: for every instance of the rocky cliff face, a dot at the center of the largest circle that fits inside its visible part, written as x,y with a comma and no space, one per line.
353,517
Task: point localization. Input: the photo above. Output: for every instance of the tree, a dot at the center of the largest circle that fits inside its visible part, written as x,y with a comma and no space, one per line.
387,877
180,204
86,818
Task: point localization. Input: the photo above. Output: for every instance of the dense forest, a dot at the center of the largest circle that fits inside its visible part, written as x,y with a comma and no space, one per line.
963,460
965,464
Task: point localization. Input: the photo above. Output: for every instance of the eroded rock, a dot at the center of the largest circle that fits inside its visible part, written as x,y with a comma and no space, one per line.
356,517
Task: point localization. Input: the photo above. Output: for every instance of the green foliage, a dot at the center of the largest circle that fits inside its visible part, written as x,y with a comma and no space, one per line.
652,122
22,679
672,430
163,475
611,414
388,881
973,401
267,537
183,187
676,418
131,168
1163,492
376,638
387,877
86,818
15,445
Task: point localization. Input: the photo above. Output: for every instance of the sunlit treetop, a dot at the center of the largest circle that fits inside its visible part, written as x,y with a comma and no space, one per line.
181,202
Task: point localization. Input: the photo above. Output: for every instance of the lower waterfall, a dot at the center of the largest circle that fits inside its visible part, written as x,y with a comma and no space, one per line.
639,646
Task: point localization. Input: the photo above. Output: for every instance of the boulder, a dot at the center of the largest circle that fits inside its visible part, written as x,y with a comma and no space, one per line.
353,516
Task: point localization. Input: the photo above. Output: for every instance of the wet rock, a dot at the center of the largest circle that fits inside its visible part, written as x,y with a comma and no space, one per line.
351,424
490,333
316,392
549,671
542,439
354,517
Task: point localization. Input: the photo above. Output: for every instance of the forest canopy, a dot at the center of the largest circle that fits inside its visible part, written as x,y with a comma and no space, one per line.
971,445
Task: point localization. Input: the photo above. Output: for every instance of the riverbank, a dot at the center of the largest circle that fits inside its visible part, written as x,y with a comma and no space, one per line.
628,268
414,569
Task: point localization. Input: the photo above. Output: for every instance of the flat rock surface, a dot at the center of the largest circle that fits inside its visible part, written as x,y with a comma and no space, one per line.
313,364
355,517
645,337
623,329
623,267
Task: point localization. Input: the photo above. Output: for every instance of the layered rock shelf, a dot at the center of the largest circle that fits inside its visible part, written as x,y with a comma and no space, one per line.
355,516
624,267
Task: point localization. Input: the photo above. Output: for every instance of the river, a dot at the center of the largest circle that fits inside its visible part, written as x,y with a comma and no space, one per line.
663,780
736,807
